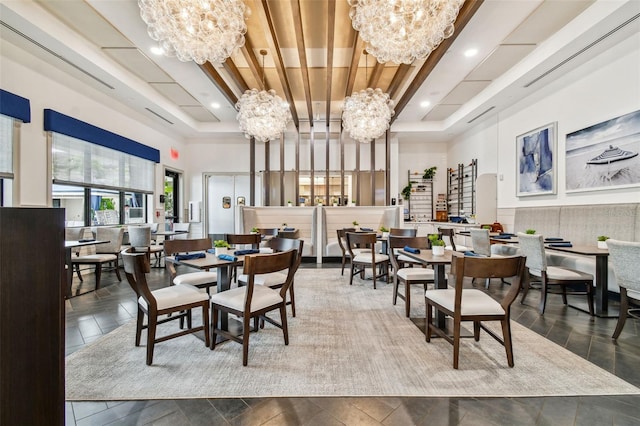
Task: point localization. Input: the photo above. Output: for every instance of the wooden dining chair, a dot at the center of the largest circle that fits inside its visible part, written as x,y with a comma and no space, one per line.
276,280
449,237
240,242
342,243
255,301
104,255
532,247
625,258
408,276
200,279
468,304
360,260
140,238
179,299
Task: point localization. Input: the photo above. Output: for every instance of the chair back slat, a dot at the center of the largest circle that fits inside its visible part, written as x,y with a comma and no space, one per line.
113,235
172,247
140,236
403,232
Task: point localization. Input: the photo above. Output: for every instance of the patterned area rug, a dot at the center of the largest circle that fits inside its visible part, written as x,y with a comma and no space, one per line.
345,341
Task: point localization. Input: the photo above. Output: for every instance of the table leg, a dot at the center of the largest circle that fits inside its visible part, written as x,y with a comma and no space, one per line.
440,283
69,276
602,284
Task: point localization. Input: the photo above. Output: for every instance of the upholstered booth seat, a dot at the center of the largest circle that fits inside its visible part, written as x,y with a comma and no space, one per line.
176,295
474,302
196,278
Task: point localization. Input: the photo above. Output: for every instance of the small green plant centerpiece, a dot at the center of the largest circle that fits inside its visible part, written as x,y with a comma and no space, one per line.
385,231
255,230
437,245
289,203
602,241
530,231
355,224
221,247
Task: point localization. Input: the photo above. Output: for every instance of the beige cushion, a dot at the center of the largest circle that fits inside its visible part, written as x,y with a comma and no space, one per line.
95,258
357,251
366,258
175,295
234,298
415,274
474,302
196,278
557,273
270,279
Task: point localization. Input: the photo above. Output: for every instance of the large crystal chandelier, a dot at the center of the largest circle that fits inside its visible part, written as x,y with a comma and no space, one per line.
366,114
198,30
403,30
262,114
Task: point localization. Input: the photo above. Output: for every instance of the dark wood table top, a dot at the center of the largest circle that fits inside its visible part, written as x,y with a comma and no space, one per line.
426,256
581,249
210,261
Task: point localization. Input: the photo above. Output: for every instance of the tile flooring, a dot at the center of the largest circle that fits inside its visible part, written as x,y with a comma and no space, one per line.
94,314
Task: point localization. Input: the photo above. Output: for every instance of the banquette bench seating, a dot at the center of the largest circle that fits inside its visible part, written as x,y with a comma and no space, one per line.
581,224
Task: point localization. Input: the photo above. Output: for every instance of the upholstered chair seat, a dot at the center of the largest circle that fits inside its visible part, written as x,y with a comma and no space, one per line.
474,302
367,258
176,295
196,278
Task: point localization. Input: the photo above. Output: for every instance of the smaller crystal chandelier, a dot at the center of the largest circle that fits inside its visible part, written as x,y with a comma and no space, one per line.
196,30
403,30
366,114
262,115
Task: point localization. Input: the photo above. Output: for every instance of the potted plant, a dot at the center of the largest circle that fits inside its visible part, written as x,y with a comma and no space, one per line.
602,241
255,230
530,231
429,173
385,231
221,247
355,224
284,225
406,191
353,203
289,203
437,245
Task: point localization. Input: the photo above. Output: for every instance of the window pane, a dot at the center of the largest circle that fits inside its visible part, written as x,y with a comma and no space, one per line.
135,208
105,207
6,145
70,198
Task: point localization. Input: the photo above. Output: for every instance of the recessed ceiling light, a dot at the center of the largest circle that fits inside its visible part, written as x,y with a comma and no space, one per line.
425,104
215,105
157,50
470,52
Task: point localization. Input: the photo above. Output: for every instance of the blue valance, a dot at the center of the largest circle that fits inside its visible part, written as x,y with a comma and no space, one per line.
15,106
60,123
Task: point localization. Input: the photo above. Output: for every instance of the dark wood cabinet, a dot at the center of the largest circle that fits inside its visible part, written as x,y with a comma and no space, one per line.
31,316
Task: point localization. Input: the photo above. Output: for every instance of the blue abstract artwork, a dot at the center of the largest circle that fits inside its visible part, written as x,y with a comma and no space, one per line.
536,174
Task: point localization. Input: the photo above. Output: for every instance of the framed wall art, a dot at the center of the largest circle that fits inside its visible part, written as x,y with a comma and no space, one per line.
604,155
536,161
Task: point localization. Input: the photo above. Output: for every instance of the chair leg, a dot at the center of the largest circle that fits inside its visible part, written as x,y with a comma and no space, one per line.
564,294
205,324
590,298
543,297
624,308
117,269
77,266
352,273
293,300
526,284
151,338
98,275
214,324
487,282
285,328
189,317
139,325
476,331
374,272
246,322
427,322
456,342
344,260
506,335
395,289
407,298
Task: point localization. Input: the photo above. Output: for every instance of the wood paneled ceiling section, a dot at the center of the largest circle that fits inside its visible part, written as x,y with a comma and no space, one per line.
315,58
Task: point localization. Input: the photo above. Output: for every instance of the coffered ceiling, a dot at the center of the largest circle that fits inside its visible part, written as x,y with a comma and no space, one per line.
314,59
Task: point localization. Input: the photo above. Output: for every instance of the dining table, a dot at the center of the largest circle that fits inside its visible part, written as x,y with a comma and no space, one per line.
223,268
426,257
69,245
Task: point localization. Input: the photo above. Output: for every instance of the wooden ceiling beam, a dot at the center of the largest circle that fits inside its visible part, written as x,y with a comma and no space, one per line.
331,26
302,55
235,75
261,8
219,82
468,9
398,79
358,45
257,70
375,74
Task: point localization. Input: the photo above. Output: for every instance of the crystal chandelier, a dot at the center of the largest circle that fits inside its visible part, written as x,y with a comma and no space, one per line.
262,114
366,114
403,30
198,30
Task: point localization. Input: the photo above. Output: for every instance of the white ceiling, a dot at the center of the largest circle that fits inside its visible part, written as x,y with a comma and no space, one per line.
104,43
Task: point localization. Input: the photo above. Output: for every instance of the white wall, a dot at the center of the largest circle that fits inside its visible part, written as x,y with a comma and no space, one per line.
603,88
417,156
35,83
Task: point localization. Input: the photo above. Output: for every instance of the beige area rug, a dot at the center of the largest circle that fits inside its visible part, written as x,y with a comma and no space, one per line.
345,341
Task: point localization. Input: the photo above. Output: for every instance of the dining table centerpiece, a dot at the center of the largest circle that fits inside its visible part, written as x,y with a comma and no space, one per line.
437,245
602,241
221,247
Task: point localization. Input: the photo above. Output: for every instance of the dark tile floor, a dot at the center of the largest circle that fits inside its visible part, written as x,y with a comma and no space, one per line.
94,314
